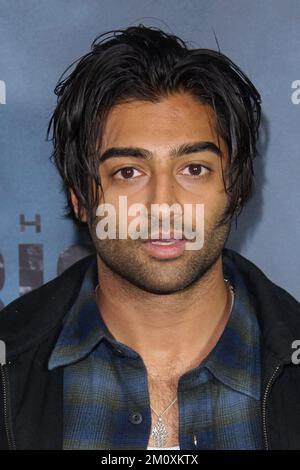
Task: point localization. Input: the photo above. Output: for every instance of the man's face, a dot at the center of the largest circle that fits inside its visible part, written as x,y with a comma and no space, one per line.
192,178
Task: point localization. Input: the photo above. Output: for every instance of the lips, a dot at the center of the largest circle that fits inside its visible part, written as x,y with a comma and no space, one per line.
163,241
165,248
170,237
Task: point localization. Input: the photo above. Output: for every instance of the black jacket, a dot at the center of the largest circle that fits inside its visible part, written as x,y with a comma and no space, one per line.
31,397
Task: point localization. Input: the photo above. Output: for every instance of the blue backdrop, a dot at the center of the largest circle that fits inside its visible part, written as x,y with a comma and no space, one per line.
39,39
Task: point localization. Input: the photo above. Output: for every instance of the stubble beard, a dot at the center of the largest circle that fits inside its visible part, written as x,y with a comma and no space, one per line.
128,259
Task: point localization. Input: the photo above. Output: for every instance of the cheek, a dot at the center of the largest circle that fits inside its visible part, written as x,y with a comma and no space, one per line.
214,205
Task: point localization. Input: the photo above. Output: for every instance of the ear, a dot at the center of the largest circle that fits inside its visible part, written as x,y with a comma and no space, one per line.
82,217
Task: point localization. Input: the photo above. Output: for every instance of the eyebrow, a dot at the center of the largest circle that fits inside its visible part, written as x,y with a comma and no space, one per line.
176,152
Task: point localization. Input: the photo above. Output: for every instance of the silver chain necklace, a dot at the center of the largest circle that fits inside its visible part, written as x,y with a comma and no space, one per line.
159,432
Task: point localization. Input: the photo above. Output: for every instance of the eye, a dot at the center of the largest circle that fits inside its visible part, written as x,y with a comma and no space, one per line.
196,170
126,173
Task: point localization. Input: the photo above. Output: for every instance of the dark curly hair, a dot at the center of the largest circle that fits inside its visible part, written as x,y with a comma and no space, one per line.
146,63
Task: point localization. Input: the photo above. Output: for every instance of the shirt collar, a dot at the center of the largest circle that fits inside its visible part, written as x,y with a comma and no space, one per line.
83,326
235,360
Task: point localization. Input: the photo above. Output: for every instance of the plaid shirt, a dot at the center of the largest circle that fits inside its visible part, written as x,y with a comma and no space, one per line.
106,403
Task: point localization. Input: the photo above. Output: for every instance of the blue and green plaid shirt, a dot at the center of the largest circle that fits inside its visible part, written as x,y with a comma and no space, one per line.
106,404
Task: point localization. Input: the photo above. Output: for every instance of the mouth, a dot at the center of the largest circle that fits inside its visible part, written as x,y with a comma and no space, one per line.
169,237
165,248
164,242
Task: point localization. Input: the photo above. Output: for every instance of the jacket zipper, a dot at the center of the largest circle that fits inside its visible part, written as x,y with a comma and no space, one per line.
7,407
264,405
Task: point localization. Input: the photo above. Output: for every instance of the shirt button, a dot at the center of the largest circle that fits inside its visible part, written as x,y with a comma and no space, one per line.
135,417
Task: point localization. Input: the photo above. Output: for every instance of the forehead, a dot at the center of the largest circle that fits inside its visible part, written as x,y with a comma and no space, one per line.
173,120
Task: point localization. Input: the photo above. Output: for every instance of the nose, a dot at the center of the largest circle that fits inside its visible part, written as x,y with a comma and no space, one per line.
162,190
163,200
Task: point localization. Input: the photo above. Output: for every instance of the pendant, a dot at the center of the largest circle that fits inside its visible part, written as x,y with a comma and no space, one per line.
159,433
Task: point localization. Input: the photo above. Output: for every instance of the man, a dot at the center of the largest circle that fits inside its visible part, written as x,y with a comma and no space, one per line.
149,344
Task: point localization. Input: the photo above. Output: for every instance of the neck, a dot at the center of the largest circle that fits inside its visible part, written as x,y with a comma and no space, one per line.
183,326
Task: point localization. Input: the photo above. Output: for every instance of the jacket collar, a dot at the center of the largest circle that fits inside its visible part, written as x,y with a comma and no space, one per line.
28,320
278,313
